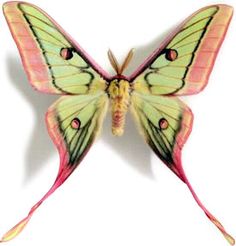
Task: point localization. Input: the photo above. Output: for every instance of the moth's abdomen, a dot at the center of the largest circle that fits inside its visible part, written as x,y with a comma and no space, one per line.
118,122
119,95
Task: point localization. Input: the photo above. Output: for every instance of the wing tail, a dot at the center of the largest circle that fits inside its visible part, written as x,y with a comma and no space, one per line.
14,231
213,219
73,140
166,124
64,172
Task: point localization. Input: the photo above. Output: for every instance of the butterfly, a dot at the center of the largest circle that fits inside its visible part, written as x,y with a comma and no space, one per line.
56,64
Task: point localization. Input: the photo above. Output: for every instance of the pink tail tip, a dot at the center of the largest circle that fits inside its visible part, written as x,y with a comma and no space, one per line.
229,238
13,232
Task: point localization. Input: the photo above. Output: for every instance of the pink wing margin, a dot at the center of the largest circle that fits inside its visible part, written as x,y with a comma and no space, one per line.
204,59
30,52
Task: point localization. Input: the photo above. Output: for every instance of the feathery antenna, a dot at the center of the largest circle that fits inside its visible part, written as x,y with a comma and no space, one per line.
119,70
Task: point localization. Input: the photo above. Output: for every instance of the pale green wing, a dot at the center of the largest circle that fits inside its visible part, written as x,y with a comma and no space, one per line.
165,123
183,63
180,67
53,62
73,123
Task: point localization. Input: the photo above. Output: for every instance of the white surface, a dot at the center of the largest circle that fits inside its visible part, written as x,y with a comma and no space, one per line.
121,194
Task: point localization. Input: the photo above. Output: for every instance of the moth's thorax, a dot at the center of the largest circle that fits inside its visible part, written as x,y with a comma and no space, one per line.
119,92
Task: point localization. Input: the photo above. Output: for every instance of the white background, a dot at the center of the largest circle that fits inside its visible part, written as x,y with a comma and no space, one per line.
121,194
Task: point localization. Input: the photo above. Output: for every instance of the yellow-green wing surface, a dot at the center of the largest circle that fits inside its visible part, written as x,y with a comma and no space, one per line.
185,60
165,123
53,62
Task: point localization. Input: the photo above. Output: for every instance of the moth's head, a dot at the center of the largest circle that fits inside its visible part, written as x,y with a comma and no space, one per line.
114,63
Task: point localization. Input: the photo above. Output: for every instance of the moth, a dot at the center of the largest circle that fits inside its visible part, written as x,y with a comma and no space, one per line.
56,64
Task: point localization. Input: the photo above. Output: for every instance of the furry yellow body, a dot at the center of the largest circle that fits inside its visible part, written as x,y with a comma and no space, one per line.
119,92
